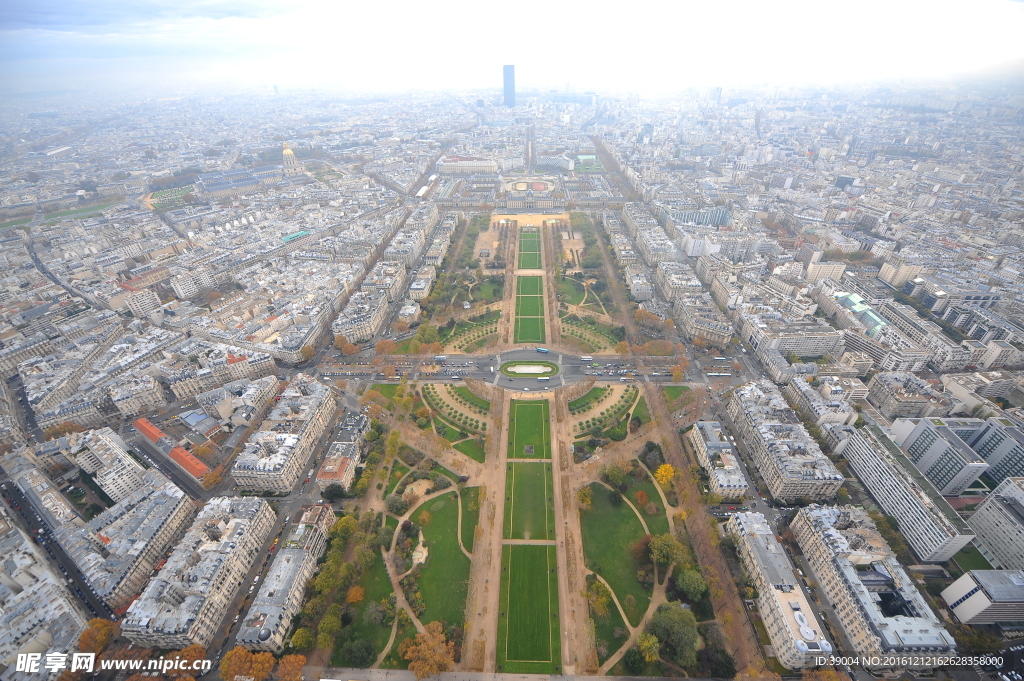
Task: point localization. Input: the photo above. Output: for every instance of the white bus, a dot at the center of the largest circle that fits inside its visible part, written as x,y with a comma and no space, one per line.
588,358
543,378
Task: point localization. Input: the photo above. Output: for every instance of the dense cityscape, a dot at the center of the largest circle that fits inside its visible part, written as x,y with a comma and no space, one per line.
301,385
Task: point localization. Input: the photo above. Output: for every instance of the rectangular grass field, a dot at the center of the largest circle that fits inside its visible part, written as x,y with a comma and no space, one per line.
528,627
529,330
529,261
529,306
529,509
528,426
529,286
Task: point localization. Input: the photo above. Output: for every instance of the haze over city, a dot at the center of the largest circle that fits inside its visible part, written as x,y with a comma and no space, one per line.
649,48
499,342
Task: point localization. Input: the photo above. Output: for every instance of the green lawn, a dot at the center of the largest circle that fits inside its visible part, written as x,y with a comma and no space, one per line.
388,390
77,211
472,449
608,533
470,515
491,290
529,286
529,261
529,509
641,411
604,631
444,577
529,306
970,558
657,523
394,660
571,291
529,330
390,525
528,426
528,629
471,397
592,395
397,474
672,392
15,223
378,588
444,430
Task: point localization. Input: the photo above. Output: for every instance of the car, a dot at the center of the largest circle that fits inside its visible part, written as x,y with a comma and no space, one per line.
526,389
732,508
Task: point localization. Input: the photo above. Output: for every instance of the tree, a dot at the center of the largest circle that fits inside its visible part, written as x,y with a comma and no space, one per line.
427,333
62,429
236,662
385,347
333,492
622,348
307,352
585,497
599,598
677,373
641,498
820,675
98,635
430,653
290,667
664,473
355,594
649,646
842,496
389,371
213,478
262,665
634,662
400,326
190,653
360,652
302,639
676,628
666,549
396,505
692,584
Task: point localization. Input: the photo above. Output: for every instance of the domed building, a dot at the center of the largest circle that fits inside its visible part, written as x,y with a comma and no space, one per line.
292,166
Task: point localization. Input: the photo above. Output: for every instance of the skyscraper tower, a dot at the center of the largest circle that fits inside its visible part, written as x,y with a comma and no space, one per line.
510,85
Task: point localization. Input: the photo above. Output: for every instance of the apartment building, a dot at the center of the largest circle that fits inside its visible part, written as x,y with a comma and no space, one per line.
878,605
699,317
339,466
1000,442
37,611
386,278
987,597
104,455
999,524
823,411
186,602
141,303
363,317
795,634
897,271
718,458
790,461
275,456
640,286
267,623
188,285
818,271
935,446
900,394
116,550
932,528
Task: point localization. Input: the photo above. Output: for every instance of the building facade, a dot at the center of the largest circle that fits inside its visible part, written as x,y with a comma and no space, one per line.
186,602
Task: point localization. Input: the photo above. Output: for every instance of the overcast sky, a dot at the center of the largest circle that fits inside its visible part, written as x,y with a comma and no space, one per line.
651,48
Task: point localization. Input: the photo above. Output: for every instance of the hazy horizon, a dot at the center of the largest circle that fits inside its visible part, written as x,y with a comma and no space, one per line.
158,47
